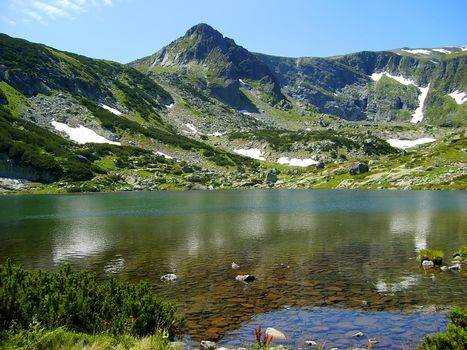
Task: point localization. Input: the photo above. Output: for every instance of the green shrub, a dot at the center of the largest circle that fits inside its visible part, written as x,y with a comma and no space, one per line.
455,338
463,252
431,254
79,302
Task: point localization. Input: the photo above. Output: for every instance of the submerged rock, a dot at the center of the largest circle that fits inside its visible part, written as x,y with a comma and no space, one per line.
245,278
235,266
169,277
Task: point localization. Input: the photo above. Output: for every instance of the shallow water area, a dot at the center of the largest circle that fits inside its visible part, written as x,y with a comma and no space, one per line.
351,250
335,327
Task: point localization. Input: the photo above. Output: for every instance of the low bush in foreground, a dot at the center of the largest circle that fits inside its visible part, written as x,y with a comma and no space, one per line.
80,302
455,338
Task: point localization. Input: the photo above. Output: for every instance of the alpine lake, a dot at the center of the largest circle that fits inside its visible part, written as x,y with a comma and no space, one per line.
327,263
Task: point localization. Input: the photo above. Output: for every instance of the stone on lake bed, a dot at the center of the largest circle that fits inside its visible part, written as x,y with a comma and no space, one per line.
207,345
428,264
235,266
275,334
169,277
245,278
311,343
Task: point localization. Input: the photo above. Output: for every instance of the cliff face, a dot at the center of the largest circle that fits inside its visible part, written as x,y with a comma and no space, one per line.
349,86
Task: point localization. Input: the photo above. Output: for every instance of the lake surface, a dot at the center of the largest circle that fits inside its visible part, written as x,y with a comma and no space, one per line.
311,251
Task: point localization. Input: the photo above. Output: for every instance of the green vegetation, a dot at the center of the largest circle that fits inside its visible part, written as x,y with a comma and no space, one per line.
38,338
455,338
463,252
79,302
13,100
432,255
284,140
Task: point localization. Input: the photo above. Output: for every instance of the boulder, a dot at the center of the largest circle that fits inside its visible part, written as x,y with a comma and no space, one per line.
198,187
358,168
271,176
275,334
188,169
245,278
455,267
358,334
207,345
428,264
169,277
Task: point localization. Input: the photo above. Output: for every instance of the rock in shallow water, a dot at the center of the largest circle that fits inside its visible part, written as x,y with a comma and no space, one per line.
275,334
245,278
428,264
207,345
455,267
169,277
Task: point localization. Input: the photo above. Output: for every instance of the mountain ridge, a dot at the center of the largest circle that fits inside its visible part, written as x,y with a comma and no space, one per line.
338,85
197,120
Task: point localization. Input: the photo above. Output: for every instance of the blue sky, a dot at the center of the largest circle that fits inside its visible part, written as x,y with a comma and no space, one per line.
123,30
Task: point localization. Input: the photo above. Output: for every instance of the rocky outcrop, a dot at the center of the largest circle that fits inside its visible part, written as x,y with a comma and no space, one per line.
359,168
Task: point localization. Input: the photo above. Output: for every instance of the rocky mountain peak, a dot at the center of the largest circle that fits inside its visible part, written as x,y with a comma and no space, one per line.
203,30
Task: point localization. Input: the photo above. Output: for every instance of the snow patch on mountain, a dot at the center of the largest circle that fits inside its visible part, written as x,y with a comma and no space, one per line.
447,52
418,51
217,134
110,109
81,134
458,96
418,114
399,78
254,153
296,161
403,144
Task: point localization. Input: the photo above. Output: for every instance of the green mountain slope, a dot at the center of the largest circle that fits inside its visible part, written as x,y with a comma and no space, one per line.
204,112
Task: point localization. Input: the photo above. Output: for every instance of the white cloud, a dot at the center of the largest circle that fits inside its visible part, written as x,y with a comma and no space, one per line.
42,10
50,10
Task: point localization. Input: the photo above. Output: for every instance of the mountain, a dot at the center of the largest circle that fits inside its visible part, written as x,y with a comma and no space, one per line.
219,65
344,86
351,87
203,112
